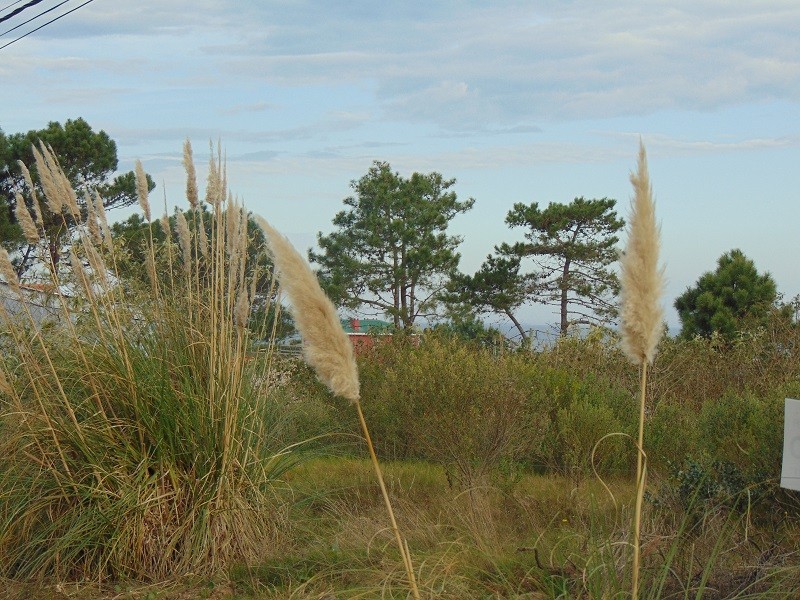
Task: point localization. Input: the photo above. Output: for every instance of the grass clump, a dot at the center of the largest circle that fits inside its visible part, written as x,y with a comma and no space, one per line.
139,438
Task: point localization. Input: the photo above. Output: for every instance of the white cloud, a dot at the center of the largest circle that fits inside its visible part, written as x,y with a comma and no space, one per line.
455,66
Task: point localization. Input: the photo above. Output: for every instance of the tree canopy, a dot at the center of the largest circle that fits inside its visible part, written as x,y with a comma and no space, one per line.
497,287
390,251
733,298
133,238
87,158
572,246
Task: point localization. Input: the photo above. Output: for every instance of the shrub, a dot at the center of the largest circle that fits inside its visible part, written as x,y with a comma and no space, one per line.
447,401
567,415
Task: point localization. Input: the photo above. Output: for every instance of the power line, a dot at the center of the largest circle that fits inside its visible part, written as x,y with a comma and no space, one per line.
16,11
33,18
46,24
10,5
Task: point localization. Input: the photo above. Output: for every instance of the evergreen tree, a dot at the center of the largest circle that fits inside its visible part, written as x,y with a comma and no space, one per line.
733,298
390,251
573,247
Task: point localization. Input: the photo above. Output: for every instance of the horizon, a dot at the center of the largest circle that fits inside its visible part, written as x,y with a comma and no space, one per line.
518,102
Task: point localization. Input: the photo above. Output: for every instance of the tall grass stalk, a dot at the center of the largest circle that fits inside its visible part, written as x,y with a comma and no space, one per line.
642,317
328,350
138,436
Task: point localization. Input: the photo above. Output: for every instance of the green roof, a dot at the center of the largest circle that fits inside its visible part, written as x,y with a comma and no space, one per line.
367,326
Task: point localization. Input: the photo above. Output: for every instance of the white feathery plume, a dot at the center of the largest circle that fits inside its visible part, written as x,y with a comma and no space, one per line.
326,346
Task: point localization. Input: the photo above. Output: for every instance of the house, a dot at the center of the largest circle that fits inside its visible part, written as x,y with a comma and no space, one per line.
363,333
37,303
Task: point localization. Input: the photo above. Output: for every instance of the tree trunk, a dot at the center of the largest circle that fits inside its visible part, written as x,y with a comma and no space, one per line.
517,324
564,298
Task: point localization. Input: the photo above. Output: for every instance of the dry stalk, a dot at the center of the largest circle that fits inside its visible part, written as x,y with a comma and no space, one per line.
328,350
642,282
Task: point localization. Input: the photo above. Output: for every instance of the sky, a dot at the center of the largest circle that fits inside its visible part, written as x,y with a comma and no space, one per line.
531,101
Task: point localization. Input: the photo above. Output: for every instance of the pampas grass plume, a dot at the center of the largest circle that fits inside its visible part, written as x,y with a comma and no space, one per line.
642,280
25,220
191,175
105,230
52,195
7,270
184,238
141,190
37,210
326,346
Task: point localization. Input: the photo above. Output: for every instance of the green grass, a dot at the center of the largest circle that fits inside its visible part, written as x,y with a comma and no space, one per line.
542,537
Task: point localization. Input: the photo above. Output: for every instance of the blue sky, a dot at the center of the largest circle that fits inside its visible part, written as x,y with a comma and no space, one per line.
537,101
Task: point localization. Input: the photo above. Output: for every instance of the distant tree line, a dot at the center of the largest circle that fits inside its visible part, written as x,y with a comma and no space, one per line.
390,253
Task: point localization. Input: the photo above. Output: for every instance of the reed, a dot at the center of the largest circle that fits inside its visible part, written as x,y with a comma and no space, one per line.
138,438
642,317
328,351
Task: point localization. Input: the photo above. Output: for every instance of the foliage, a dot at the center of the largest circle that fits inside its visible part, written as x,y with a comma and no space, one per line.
571,417
86,158
732,299
478,411
134,236
141,438
469,328
573,245
497,287
453,403
390,251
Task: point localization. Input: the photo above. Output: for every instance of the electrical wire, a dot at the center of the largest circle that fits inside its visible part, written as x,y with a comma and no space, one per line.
33,18
10,5
46,24
16,11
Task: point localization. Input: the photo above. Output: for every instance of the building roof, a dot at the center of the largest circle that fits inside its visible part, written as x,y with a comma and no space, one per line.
366,326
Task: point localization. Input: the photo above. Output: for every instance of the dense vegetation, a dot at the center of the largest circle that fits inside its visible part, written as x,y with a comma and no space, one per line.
493,456
150,451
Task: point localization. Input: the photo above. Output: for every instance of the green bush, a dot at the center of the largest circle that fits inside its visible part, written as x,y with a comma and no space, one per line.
568,414
670,435
446,401
744,430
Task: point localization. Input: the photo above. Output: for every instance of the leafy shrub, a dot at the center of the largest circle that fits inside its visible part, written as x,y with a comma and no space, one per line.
744,430
446,401
670,435
568,414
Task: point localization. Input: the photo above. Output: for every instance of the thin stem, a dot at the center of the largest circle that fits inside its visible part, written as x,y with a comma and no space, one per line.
641,474
400,544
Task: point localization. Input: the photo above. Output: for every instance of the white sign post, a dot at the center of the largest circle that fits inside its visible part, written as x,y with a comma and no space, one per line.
790,473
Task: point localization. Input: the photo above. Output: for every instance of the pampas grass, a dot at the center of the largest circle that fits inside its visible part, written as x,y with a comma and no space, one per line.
25,220
642,283
138,438
7,270
141,190
642,280
328,350
326,346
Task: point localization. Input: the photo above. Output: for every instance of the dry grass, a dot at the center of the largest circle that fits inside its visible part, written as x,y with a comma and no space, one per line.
137,440
553,538
642,285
